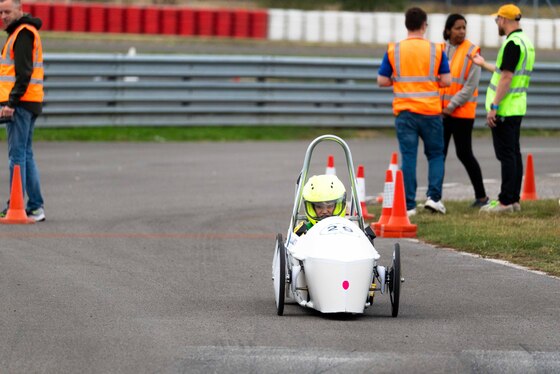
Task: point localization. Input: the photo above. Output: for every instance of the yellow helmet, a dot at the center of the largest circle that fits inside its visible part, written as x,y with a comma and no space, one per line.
324,189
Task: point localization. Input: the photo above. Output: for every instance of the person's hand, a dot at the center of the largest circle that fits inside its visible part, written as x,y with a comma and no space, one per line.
7,112
491,118
477,59
446,112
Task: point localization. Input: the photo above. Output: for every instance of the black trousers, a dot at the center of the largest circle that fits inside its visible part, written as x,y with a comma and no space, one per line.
461,130
506,136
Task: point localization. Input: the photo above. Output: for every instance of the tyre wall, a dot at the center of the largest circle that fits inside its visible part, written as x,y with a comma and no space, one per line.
273,24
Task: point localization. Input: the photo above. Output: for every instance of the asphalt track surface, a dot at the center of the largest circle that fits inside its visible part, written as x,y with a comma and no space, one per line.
156,258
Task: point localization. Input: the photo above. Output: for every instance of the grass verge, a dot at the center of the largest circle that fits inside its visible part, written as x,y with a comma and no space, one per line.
222,133
530,238
179,134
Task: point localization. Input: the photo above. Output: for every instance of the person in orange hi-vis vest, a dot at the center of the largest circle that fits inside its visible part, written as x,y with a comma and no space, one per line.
21,97
459,100
417,69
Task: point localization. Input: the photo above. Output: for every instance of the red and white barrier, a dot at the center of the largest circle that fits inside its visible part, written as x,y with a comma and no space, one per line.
312,27
272,24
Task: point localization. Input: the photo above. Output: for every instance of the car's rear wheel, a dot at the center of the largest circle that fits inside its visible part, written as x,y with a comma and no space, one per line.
279,274
395,281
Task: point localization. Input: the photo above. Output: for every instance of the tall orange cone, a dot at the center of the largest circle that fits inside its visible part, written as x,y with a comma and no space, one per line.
399,225
387,207
529,187
330,166
361,189
393,165
16,211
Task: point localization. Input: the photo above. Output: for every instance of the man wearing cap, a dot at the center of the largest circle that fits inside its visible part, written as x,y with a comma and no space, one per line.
506,104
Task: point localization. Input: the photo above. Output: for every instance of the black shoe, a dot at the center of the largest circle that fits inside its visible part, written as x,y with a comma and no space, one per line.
480,203
3,213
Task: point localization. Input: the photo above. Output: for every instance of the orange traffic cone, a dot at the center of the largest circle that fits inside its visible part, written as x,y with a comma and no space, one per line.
529,187
16,211
399,225
393,165
387,207
330,166
361,189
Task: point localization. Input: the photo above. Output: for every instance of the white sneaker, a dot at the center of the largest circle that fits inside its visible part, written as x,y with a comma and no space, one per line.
38,215
435,206
497,207
411,212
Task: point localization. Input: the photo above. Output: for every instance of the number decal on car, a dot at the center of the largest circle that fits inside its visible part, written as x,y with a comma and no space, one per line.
337,229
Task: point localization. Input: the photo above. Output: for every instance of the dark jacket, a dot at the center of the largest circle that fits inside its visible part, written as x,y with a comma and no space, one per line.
23,59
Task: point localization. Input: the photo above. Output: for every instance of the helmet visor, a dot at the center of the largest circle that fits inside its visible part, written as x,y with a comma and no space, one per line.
326,205
319,210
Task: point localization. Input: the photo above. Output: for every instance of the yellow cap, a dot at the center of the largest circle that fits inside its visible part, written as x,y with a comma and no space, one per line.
508,11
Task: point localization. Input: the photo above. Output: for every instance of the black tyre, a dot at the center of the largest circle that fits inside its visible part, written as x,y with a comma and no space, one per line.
279,274
395,281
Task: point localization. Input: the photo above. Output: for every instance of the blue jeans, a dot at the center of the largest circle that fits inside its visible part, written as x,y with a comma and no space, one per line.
411,126
20,152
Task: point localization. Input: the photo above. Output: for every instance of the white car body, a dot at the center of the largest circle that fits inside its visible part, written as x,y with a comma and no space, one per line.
332,267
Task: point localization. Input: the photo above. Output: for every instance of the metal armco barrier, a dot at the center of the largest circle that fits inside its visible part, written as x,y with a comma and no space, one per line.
164,90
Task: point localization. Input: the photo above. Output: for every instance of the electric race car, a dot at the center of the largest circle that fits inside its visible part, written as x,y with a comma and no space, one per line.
333,266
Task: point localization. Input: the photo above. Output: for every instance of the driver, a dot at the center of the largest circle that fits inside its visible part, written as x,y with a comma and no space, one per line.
323,196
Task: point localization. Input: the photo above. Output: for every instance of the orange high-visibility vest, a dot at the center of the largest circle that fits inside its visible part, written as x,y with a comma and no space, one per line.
415,64
34,91
460,67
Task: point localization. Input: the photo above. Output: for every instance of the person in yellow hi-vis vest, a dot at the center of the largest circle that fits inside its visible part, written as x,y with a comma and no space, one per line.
417,69
21,97
506,104
459,101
